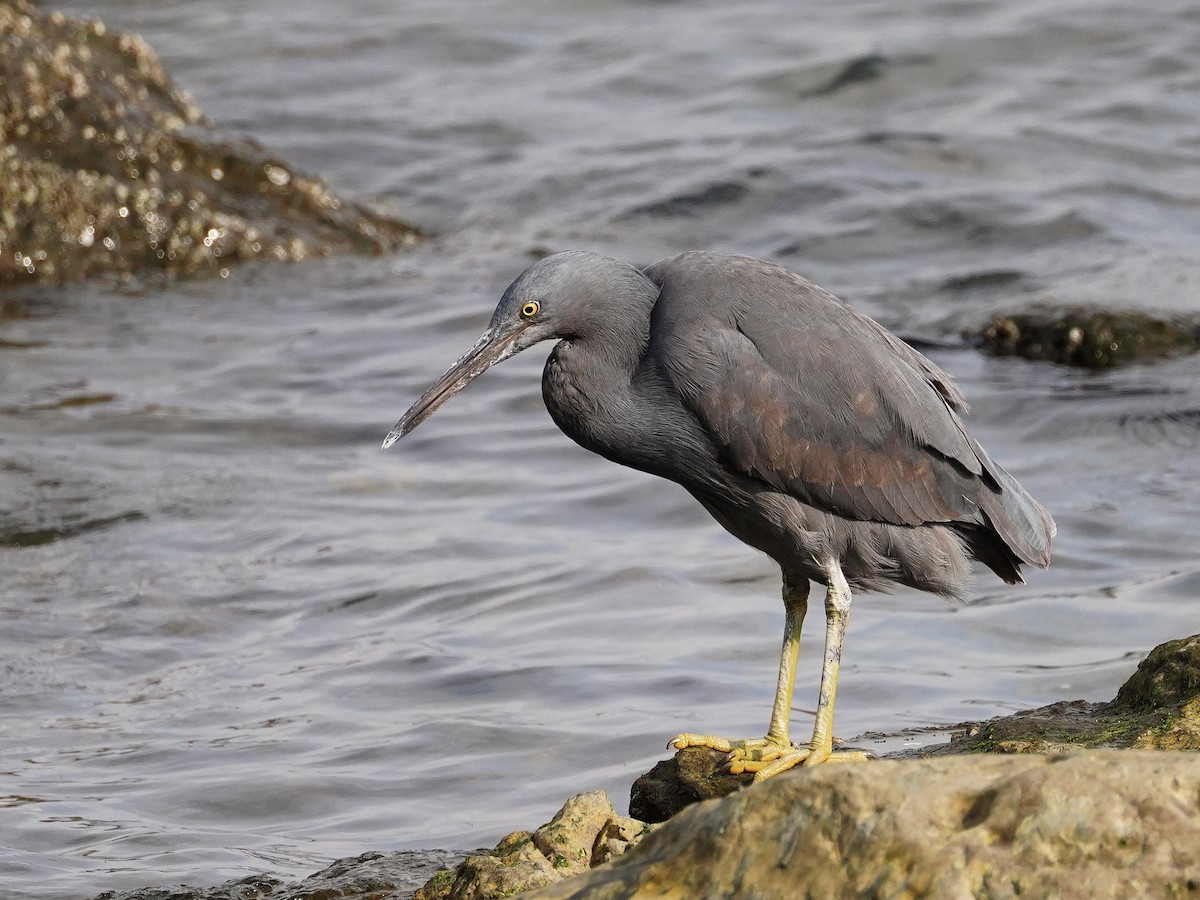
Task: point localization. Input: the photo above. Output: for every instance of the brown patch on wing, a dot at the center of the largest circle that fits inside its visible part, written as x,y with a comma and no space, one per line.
770,430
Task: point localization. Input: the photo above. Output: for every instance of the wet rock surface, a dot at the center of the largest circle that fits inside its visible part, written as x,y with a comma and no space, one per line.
107,167
1088,338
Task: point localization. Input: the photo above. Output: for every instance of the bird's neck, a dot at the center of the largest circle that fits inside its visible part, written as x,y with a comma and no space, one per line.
614,330
592,372
589,380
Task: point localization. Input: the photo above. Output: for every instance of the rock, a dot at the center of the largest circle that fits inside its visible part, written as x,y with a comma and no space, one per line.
515,865
1168,677
1166,686
1093,339
586,832
1158,708
106,166
618,835
691,775
1085,825
371,876
567,839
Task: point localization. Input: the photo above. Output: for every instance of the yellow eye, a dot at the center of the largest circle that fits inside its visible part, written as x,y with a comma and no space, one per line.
530,309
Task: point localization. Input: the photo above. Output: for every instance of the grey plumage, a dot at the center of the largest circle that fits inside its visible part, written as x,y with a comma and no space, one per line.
804,427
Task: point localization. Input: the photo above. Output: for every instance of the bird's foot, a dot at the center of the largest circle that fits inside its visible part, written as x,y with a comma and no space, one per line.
766,756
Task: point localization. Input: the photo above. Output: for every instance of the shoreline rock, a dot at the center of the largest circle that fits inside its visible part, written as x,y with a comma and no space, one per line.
107,167
1092,824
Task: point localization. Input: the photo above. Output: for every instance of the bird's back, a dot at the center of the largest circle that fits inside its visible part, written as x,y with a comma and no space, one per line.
812,398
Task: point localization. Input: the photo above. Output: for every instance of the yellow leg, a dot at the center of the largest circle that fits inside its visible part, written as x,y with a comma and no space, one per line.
775,753
750,754
837,614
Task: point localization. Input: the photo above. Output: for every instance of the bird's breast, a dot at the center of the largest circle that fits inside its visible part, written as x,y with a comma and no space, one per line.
625,414
572,397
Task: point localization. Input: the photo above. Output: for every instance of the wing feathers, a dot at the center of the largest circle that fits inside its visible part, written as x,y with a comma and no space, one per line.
799,390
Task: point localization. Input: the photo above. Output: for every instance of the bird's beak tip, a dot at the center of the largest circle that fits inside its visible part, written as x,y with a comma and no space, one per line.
392,437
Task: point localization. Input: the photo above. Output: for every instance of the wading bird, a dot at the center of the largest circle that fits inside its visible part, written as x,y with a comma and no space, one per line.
804,427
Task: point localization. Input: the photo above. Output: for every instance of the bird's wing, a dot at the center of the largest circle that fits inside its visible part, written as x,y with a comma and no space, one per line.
798,389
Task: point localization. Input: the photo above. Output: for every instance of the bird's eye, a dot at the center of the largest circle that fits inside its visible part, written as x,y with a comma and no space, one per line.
530,309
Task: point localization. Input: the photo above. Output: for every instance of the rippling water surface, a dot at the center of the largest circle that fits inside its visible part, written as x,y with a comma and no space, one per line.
237,637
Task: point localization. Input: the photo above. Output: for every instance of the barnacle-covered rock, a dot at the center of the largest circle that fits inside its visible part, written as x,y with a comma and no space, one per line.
1088,338
106,166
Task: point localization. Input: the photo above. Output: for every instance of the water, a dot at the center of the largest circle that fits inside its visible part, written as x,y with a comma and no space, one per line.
237,637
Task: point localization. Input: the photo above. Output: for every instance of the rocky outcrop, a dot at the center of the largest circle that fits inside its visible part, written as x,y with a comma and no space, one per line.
1089,338
586,832
691,775
106,166
1094,824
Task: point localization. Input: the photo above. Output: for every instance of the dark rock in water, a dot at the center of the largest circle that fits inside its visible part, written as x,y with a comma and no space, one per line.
372,876
106,166
1093,339
691,775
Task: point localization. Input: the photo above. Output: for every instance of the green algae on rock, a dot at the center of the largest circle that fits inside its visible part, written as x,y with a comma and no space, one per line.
107,167
1158,708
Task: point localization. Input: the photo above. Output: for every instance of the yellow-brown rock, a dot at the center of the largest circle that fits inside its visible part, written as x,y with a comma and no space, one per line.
1091,824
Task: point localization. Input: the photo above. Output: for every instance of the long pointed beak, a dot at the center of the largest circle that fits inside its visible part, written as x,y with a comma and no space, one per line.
493,346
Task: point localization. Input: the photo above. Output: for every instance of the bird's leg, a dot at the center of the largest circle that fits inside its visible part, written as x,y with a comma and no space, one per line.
753,754
837,612
795,607
775,753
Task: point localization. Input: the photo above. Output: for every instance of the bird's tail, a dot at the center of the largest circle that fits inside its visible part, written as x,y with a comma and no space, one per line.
1019,520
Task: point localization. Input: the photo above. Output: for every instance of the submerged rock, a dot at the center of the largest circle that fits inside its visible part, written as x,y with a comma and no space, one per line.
106,166
691,775
1087,825
371,876
1093,339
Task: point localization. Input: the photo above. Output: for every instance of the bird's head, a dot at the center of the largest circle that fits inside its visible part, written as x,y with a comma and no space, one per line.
562,296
